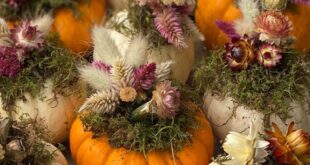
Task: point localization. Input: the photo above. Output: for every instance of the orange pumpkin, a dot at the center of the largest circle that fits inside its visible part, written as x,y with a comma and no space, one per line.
85,150
208,11
75,31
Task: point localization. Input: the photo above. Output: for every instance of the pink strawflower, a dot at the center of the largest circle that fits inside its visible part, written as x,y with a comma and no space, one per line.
101,65
27,37
145,76
302,2
167,22
167,100
269,55
9,63
15,3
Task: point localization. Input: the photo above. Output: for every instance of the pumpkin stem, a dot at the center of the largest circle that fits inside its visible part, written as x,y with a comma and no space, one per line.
143,110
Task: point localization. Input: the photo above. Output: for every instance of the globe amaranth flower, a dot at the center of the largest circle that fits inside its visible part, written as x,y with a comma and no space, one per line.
273,25
16,4
274,4
245,149
292,148
101,66
128,94
9,62
27,37
268,55
145,76
167,100
239,53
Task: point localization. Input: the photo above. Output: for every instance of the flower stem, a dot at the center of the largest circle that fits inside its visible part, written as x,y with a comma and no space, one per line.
143,110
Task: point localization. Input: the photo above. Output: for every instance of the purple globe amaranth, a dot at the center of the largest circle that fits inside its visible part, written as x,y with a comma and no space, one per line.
167,100
27,37
145,76
101,66
9,63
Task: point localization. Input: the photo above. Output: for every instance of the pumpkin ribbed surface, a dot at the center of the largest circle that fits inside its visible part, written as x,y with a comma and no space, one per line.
75,30
208,11
85,150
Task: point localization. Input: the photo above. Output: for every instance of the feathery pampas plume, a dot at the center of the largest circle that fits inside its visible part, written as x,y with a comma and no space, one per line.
101,102
43,23
105,48
95,77
163,71
122,73
137,50
250,11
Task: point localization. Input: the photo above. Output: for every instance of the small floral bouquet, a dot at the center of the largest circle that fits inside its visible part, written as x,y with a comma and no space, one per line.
37,76
292,148
27,142
137,109
24,9
164,21
259,68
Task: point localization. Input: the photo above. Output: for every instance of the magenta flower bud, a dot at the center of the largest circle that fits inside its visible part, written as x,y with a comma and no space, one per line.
9,63
145,76
101,66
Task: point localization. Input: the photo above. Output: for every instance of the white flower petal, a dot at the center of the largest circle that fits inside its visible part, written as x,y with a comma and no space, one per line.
261,144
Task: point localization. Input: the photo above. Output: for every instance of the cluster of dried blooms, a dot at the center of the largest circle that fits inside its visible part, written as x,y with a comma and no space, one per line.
262,35
125,78
16,43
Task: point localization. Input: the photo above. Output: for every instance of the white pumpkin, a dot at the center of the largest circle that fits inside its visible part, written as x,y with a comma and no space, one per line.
58,113
59,158
183,58
224,118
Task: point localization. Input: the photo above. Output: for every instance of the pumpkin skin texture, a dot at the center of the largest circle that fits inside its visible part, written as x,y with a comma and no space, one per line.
86,150
75,31
208,11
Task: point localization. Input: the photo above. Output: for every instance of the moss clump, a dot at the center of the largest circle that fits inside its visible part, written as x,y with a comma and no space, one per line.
265,90
31,135
146,133
52,62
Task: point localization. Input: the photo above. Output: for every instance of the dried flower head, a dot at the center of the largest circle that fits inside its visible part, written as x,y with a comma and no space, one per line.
101,66
269,55
292,148
245,149
167,100
16,4
9,63
168,23
145,76
273,25
128,94
2,152
274,4
239,53
27,37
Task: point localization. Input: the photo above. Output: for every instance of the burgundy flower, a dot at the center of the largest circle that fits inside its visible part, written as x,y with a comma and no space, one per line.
302,2
27,37
145,76
167,100
15,3
269,55
101,65
227,28
9,63
239,53
273,24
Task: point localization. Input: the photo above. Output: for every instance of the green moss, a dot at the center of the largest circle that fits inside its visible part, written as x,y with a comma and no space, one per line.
54,62
265,90
33,8
147,133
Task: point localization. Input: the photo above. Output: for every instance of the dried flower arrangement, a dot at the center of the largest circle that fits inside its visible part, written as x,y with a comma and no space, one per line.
25,9
136,104
164,22
27,142
259,68
29,56
293,148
